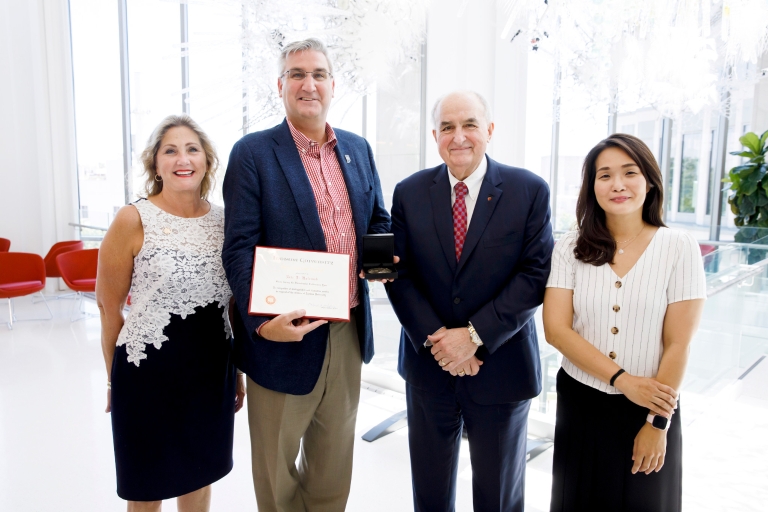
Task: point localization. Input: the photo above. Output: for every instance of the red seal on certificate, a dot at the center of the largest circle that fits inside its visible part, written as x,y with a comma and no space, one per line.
270,299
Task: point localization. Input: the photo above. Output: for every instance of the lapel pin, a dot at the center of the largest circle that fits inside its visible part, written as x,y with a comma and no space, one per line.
490,197
349,160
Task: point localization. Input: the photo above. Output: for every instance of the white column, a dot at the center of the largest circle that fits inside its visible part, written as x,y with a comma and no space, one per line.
464,51
37,128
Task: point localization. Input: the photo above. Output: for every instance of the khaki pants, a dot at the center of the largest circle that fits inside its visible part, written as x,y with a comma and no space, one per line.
321,425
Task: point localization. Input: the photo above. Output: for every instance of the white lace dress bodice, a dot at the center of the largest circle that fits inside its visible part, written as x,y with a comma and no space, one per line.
177,270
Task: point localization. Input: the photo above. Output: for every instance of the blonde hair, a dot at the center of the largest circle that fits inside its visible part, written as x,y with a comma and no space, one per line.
149,155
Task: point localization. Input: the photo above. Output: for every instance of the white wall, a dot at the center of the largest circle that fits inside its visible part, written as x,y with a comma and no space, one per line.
465,51
759,121
38,175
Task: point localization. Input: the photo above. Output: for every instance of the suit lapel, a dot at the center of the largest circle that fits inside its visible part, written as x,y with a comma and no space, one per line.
357,189
442,214
487,199
290,162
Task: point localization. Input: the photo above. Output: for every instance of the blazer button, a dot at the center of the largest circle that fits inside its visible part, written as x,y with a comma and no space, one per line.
614,330
612,355
617,284
616,308
456,300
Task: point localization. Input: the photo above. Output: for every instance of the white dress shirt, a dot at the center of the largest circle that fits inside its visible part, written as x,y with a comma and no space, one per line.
473,183
623,317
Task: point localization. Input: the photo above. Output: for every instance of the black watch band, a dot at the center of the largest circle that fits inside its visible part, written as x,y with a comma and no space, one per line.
616,375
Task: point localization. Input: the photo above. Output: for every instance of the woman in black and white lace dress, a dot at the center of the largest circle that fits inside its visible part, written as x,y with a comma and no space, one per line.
173,390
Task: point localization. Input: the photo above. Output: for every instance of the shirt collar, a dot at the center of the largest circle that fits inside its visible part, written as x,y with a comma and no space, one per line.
308,146
473,181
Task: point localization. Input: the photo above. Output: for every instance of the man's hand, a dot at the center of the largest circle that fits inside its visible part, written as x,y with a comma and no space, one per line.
396,259
470,367
289,327
649,450
452,347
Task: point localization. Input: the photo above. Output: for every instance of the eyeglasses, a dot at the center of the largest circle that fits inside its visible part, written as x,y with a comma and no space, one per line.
319,75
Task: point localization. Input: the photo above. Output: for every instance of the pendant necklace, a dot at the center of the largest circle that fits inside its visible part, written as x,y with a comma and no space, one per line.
628,242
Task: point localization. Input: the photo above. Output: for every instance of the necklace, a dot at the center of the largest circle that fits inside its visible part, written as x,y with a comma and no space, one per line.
628,242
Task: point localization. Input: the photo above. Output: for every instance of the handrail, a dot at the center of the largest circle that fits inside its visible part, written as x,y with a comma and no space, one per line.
73,224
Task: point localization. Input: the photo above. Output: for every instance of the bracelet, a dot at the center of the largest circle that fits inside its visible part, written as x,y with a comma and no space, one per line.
109,384
240,374
616,375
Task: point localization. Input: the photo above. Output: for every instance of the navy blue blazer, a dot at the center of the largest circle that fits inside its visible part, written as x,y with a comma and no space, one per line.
268,201
497,284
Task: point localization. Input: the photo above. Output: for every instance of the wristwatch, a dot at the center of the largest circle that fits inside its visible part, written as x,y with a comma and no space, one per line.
473,336
658,422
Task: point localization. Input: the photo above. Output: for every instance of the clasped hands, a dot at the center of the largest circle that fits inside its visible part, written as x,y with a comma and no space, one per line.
650,444
454,351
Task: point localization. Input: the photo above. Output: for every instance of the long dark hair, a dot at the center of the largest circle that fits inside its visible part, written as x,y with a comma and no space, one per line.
595,245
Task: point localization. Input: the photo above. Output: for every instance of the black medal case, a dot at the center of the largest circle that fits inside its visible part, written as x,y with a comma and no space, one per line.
378,253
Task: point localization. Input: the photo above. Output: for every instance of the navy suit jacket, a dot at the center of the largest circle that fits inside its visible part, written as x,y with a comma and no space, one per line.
497,284
268,201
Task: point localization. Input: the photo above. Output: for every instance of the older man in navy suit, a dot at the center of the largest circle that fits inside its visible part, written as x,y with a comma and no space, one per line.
302,185
474,241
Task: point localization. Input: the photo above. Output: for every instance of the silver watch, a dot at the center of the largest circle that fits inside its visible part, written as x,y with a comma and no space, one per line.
473,336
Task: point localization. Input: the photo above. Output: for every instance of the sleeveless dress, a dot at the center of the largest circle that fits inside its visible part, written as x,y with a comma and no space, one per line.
173,380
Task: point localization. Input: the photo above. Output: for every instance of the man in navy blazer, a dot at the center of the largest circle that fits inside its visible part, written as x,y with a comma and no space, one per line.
301,185
474,240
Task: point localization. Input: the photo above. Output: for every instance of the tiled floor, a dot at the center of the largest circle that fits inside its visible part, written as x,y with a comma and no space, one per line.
56,447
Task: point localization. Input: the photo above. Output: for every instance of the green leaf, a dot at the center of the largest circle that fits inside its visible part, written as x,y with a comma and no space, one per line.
745,154
763,138
746,206
762,199
746,170
751,141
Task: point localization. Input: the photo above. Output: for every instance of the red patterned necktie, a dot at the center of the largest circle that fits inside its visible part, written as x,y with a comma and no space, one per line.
460,217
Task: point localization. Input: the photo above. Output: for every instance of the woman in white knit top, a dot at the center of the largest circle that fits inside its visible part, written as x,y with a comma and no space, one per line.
622,304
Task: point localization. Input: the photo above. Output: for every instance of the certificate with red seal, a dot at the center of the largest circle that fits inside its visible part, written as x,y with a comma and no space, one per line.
285,280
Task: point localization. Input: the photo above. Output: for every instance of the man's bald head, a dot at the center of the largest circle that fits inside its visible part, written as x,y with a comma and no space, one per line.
472,95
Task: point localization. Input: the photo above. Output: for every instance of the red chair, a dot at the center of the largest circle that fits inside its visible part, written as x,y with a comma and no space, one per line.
706,249
5,245
51,265
21,274
78,270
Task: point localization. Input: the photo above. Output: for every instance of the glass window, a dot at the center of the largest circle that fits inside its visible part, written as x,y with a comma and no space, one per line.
154,54
98,118
689,173
215,69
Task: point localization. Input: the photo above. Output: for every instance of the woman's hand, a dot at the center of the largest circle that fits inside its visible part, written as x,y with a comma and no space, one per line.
470,367
649,393
649,450
240,392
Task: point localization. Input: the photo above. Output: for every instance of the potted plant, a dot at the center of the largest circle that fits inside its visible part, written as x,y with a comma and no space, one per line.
749,200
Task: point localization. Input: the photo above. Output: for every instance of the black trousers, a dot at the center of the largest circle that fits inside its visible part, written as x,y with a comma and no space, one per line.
594,438
497,447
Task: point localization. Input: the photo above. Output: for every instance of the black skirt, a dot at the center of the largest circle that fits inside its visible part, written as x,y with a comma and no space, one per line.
173,415
594,438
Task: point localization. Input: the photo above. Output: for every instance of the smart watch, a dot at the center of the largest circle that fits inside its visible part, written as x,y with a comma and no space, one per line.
658,422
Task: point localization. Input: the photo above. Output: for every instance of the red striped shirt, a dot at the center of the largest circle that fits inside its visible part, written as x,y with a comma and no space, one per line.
331,198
